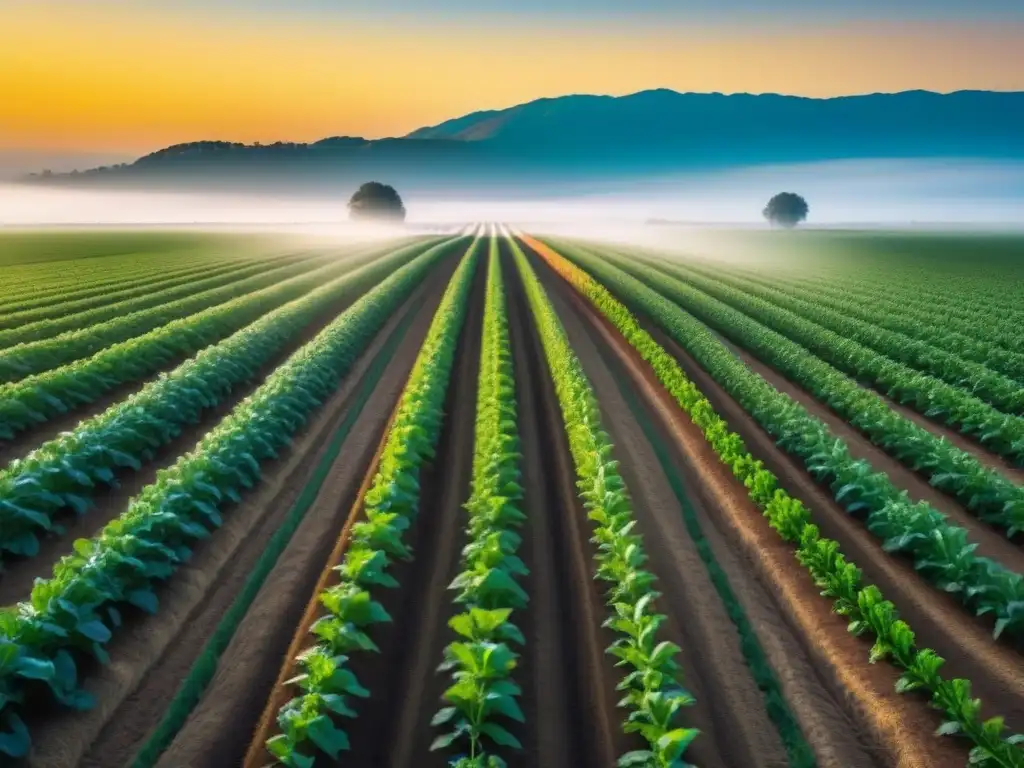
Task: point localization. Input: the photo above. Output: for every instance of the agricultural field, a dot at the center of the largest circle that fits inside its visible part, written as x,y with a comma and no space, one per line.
489,498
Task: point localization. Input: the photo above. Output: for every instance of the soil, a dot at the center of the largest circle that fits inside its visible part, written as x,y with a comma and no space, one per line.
19,574
729,710
568,681
154,653
394,723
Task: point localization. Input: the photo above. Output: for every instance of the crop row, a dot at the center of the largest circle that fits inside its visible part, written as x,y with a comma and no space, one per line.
327,684
653,695
45,395
809,317
954,309
25,325
986,290
76,611
138,300
56,280
1003,433
64,472
840,580
42,355
48,295
989,494
941,552
481,663
896,315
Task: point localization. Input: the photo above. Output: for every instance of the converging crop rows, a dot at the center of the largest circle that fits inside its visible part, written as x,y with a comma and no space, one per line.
496,499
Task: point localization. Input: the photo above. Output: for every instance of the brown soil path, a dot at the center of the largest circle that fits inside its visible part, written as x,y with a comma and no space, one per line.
157,651
835,737
20,573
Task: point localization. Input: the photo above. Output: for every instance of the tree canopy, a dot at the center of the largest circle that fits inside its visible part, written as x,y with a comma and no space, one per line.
786,209
376,201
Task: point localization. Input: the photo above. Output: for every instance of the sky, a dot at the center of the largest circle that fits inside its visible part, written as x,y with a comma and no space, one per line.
124,77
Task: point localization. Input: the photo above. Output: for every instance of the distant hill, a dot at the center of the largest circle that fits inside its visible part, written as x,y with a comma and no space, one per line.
687,126
580,137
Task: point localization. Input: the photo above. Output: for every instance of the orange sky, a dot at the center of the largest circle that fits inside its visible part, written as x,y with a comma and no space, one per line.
124,80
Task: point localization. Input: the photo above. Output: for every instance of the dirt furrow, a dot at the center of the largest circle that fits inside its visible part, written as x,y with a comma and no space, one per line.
152,654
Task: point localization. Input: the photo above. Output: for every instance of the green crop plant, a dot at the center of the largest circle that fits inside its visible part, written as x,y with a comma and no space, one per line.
987,493
64,472
77,611
77,342
327,686
44,396
893,314
652,694
969,401
481,663
941,551
818,327
862,605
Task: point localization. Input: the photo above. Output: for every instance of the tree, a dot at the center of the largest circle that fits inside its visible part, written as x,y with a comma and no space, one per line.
786,209
377,201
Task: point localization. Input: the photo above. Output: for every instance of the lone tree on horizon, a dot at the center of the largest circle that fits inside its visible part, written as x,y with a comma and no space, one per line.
786,209
376,201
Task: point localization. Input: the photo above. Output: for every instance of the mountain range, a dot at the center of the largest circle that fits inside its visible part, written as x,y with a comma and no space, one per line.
579,138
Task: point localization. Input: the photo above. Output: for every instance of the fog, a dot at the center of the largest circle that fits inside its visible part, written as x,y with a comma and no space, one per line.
878,193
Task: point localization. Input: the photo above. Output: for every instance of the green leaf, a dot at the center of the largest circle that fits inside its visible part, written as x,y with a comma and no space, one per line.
94,630
500,735
14,739
329,738
641,758
443,716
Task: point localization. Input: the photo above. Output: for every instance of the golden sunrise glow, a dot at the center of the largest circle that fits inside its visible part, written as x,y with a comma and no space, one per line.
130,80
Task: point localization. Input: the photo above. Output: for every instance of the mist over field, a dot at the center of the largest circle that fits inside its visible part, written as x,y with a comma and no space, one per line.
857,193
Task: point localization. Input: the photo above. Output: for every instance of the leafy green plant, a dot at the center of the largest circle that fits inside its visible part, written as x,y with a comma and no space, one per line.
28,324
482,663
56,391
78,609
43,351
651,692
307,722
989,494
891,313
941,551
862,605
63,473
